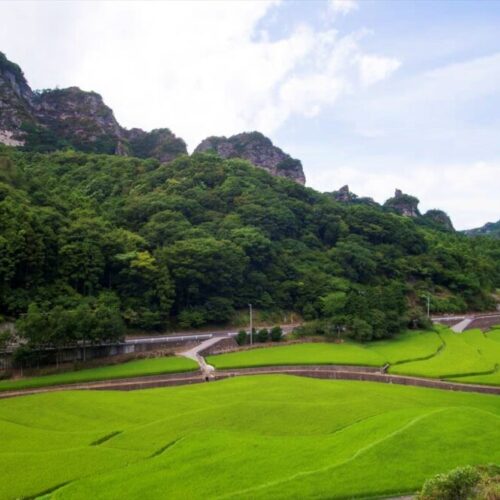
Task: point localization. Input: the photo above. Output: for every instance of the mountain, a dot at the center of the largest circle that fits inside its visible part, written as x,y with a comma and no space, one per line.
402,204
491,229
55,119
192,241
60,118
258,150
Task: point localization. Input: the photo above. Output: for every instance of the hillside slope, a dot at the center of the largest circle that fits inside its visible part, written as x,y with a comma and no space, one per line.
193,240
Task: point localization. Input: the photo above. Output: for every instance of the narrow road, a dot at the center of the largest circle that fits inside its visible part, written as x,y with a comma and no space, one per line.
194,353
460,327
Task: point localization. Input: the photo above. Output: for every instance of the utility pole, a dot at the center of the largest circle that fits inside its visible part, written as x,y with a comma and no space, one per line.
251,324
428,305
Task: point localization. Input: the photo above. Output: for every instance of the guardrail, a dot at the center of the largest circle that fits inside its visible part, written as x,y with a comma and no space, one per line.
162,340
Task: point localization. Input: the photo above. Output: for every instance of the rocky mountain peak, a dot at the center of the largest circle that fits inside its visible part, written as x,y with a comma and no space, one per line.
15,102
257,149
61,118
81,119
403,204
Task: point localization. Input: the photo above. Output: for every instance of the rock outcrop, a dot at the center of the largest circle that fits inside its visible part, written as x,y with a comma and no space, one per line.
16,106
81,119
71,117
345,195
257,149
403,204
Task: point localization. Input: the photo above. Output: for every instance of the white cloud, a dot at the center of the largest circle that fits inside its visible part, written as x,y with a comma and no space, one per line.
374,68
200,68
343,6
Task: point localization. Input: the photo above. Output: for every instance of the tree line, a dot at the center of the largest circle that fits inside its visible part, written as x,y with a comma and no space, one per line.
93,244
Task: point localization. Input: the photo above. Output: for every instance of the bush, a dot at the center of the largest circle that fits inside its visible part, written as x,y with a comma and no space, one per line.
276,333
263,335
241,337
457,484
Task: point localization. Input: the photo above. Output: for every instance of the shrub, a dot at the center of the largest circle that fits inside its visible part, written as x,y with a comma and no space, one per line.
241,337
276,333
263,335
457,484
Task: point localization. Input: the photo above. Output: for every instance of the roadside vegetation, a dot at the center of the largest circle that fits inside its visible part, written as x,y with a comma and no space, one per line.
464,483
302,432
136,368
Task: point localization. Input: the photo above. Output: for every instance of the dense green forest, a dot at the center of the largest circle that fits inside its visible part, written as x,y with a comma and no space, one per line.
92,244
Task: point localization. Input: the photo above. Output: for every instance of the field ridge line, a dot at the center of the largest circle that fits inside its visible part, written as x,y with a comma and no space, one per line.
163,449
334,466
105,438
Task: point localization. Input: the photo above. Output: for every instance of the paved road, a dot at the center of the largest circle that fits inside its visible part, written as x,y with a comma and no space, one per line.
462,325
197,336
194,353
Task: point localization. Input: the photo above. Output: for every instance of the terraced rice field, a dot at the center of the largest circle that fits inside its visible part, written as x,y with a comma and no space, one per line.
248,437
472,356
411,345
464,355
142,367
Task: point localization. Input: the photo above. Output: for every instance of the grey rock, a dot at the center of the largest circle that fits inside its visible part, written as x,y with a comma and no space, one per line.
258,150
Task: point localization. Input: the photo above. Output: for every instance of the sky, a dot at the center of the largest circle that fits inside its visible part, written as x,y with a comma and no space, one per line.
374,94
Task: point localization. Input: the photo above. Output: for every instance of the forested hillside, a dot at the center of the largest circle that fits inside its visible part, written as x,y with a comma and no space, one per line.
490,229
92,242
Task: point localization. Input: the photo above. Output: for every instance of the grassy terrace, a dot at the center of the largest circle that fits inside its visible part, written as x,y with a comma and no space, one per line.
468,357
152,366
250,437
411,345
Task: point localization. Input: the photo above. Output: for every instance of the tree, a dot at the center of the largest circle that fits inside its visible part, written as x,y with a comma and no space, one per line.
242,337
263,335
276,333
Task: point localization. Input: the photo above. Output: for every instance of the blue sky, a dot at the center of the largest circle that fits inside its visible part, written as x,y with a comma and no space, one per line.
375,94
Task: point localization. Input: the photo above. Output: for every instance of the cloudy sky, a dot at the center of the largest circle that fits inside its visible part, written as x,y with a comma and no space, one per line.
375,94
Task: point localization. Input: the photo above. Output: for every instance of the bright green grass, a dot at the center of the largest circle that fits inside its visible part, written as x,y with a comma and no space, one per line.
346,353
152,366
461,356
486,379
410,345
494,334
248,437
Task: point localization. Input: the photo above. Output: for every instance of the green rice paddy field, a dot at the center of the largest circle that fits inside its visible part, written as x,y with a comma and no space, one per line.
248,437
141,367
472,356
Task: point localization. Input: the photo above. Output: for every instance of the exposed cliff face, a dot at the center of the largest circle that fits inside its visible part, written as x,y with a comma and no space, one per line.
60,118
72,118
257,149
15,102
81,119
403,204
